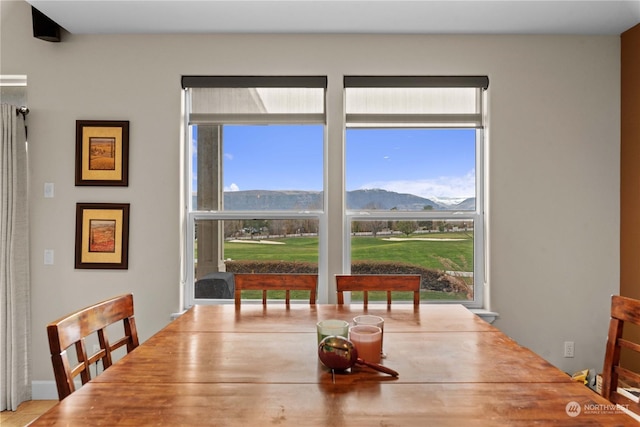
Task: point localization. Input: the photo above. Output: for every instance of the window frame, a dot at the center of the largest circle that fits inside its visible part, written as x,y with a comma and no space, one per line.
479,119
335,219
190,215
476,216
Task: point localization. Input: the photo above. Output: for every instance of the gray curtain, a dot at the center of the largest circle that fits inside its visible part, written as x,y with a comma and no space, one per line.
15,293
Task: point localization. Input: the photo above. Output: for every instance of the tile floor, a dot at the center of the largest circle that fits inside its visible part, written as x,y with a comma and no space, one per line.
27,412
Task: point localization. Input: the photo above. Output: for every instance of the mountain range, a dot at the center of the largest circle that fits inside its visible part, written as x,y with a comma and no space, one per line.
358,199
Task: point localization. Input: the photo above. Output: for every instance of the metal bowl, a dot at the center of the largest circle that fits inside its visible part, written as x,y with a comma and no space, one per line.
337,353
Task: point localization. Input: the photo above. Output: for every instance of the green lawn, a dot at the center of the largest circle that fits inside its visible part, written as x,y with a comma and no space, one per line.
439,255
293,249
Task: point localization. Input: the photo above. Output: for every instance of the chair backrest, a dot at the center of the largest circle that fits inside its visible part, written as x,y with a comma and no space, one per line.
275,282
623,310
71,330
379,282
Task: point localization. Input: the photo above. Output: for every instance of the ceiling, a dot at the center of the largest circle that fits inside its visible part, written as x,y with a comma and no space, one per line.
342,16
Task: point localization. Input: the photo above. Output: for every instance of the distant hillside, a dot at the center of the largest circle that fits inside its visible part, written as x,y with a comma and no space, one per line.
466,205
386,200
263,200
310,200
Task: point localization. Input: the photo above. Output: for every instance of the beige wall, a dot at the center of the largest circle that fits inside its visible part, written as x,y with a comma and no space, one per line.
554,162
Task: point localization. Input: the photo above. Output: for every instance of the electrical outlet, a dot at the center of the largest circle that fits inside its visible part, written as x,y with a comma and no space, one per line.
569,348
48,190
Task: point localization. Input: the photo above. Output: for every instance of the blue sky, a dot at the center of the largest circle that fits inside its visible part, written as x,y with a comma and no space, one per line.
425,162
432,163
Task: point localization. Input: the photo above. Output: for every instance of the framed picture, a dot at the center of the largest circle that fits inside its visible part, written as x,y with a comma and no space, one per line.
102,152
102,235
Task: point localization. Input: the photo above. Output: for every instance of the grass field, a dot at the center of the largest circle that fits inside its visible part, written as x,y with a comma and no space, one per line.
449,255
455,255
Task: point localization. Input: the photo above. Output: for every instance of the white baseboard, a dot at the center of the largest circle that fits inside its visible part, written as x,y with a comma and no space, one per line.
489,316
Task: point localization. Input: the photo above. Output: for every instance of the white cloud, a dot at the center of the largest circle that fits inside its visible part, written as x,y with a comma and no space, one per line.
440,187
232,187
228,156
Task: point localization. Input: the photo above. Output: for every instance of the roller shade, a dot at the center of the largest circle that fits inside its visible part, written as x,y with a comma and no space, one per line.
414,101
256,99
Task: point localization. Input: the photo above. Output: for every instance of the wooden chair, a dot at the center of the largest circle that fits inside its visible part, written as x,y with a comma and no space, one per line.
275,282
379,282
623,310
71,330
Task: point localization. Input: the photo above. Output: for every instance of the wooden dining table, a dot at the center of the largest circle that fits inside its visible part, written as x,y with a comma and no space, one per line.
258,365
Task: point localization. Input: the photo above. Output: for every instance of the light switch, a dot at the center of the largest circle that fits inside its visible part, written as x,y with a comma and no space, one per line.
48,190
48,257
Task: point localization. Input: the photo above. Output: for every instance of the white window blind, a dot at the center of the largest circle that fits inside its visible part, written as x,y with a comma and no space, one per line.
405,101
256,100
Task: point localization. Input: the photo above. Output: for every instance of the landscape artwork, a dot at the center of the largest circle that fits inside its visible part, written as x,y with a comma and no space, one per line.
102,235
102,153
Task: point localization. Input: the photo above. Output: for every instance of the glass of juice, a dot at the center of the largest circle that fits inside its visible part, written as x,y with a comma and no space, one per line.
367,319
368,341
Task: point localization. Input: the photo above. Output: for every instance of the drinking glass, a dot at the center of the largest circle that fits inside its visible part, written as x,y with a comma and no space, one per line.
330,327
368,341
378,321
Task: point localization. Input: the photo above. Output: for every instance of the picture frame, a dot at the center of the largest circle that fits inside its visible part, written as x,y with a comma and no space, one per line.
102,236
102,153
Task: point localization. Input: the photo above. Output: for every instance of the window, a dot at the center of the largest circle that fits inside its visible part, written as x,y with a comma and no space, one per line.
255,179
414,186
408,198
